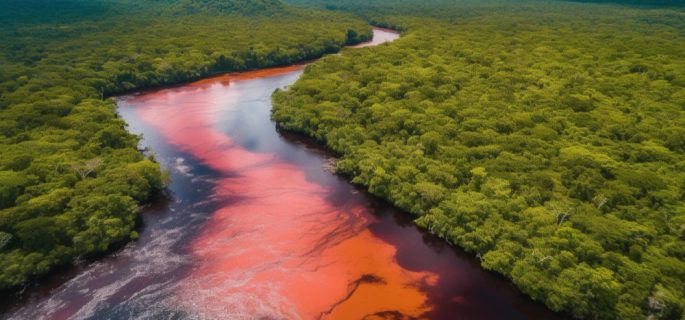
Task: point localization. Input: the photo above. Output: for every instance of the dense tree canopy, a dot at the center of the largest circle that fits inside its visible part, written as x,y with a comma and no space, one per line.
252,7
547,138
675,3
71,177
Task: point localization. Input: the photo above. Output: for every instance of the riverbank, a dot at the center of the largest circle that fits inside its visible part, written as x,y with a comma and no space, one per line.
40,286
255,226
72,177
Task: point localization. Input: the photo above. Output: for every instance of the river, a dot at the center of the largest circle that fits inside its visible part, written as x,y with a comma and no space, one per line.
256,226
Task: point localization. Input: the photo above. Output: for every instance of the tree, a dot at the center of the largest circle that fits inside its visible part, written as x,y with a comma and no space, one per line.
87,167
39,234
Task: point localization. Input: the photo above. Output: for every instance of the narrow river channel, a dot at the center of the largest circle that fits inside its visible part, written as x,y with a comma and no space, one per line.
257,227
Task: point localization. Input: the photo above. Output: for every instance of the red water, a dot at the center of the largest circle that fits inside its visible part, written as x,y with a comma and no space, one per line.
257,228
283,248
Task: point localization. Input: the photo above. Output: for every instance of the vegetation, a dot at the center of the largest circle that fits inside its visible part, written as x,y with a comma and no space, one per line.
71,177
674,3
547,138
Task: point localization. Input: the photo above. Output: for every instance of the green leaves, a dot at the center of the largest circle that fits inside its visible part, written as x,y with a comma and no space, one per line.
12,185
5,239
39,234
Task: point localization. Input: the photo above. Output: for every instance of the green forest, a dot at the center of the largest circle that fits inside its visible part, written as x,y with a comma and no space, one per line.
72,179
547,138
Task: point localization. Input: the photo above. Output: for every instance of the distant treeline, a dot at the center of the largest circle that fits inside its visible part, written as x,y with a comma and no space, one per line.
675,3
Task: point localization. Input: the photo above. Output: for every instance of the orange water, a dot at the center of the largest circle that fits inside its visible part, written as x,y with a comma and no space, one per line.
255,228
282,248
